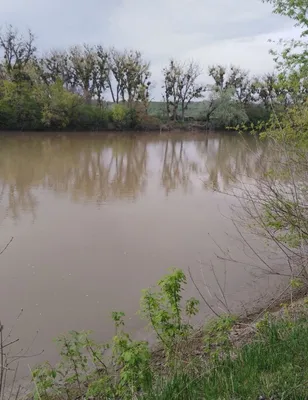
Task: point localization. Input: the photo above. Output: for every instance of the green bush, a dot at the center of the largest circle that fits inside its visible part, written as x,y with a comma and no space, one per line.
118,115
19,108
91,117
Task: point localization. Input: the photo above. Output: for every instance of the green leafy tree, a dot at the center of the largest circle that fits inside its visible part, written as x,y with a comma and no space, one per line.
295,9
228,111
222,110
291,60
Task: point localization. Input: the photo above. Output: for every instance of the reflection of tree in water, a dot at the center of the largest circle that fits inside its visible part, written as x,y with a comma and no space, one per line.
218,160
89,170
17,178
177,166
229,158
101,169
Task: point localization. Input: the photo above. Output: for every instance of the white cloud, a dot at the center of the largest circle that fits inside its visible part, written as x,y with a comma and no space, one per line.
220,31
169,25
251,53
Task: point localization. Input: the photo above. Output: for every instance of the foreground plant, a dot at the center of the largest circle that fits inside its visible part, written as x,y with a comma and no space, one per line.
81,366
163,309
84,368
273,362
216,335
133,360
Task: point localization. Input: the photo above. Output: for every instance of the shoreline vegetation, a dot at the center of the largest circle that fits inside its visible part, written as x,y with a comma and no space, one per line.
258,356
92,88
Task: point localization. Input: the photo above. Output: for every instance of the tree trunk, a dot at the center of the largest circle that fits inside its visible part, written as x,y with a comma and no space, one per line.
183,111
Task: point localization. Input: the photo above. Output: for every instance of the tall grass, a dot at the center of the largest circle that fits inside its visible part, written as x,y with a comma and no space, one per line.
274,365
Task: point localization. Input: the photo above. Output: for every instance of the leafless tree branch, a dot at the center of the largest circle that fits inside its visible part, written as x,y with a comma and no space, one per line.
6,246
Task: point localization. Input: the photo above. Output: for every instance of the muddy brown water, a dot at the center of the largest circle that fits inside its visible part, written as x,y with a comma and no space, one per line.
97,219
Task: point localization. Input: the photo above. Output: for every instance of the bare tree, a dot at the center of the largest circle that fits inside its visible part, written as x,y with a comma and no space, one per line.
218,73
181,87
17,51
54,66
234,78
83,66
102,73
130,75
266,90
239,80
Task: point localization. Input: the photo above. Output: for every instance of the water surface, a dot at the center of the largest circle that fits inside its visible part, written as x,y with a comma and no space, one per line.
97,219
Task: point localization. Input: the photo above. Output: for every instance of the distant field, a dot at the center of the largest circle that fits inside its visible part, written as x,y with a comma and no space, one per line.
194,110
159,108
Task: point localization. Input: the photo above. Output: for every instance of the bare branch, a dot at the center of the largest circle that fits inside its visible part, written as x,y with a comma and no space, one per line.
6,246
201,295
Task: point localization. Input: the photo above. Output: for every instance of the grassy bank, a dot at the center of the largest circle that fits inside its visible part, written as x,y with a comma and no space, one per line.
228,358
273,365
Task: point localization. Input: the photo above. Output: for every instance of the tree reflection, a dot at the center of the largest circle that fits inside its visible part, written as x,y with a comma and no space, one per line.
100,169
177,166
229,158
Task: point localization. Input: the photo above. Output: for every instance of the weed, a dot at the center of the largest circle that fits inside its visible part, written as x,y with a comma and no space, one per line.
216,337
81,362
133,360
162,308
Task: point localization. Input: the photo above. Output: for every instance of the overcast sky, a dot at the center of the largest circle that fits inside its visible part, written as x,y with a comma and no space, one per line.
209,31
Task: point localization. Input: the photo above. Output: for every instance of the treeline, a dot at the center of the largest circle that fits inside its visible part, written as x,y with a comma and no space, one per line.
93,88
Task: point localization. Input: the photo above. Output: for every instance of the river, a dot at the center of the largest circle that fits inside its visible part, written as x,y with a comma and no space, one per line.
97,219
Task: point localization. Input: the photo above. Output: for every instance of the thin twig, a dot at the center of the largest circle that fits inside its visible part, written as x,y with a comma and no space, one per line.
13,382
200,293
225,303
9,344
17,393
7,245
13,326
252,249
1,360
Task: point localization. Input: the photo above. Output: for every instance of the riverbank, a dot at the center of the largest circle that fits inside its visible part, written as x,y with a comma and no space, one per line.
176,134
263,355
229,333
155,128
264,360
